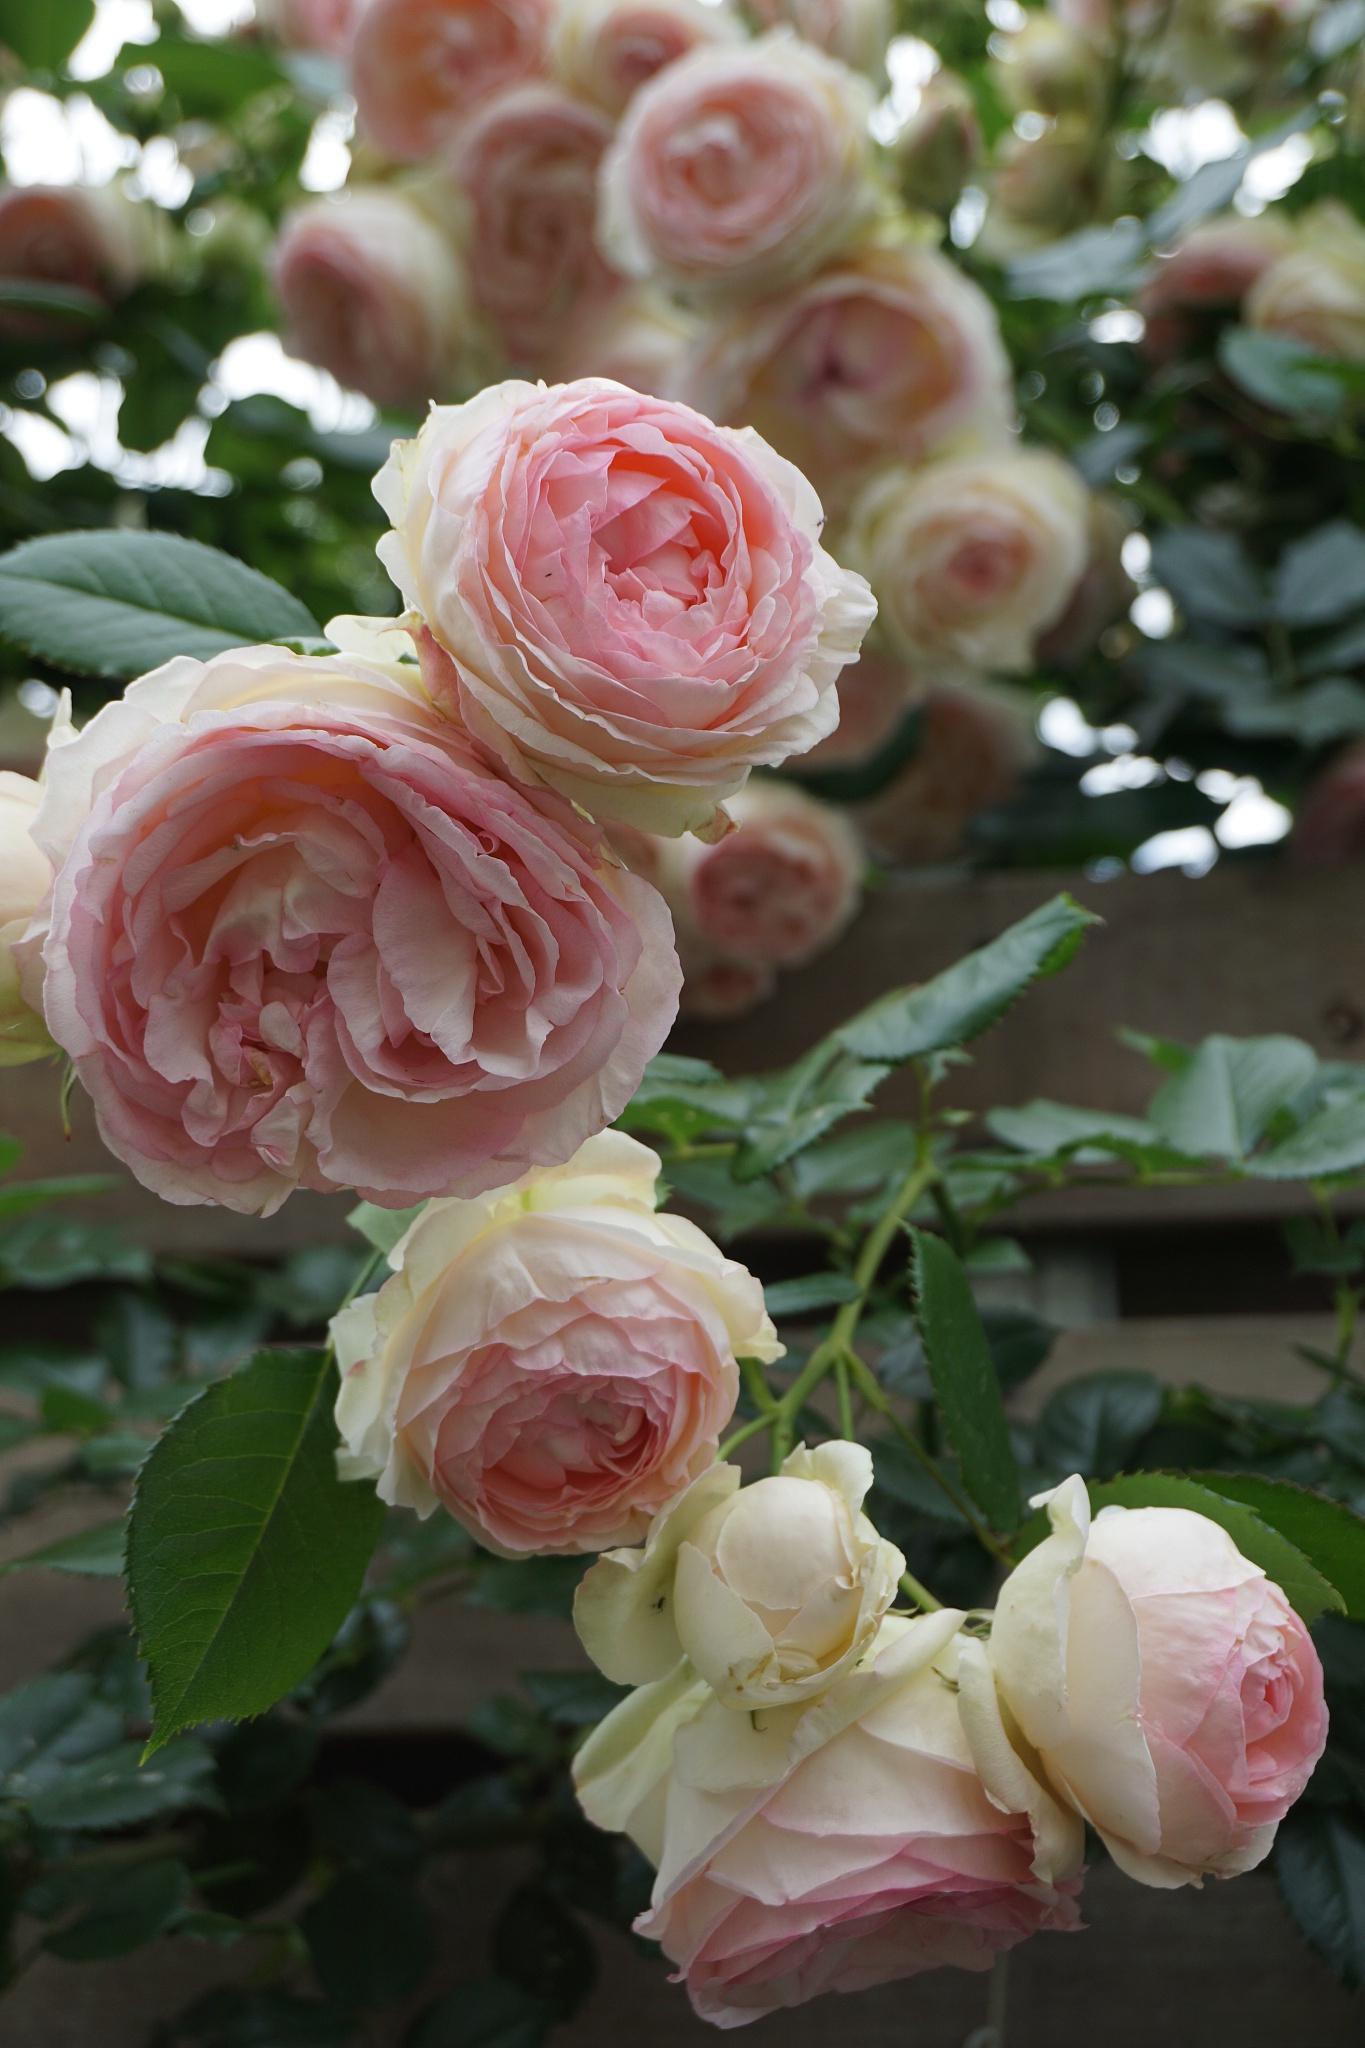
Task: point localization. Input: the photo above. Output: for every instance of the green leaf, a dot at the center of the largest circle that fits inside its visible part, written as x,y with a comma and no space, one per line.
527,1585
572,1699
1327,1532
370,1938
539,1945
91,1554
964,1379
36,1194
1210,576
797,1107
1320,1868
1219,1105
116,1789
1333,709
115,604
1333,1141
966,999
1093,1424
1284,374
245,1550
1092,261
49,1725
491,2014
40,1251
1043,1129
43,33
382,1228
811,1292
1321,578
131,1907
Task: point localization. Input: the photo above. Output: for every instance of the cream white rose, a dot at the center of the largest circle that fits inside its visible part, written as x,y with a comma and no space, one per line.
605,50
971,560
25,878
772,1591
1316,292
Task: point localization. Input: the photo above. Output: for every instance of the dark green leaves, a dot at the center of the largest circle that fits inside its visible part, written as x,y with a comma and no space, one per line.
1220,1104
117,604
92,1553
1094,1424
1320,1866
1326,1531
43,33
966,999
370,1938
1321,578
964,1379
245,1551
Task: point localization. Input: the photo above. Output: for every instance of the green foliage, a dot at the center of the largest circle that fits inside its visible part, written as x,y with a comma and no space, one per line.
964,1379
1320,1867
245,1550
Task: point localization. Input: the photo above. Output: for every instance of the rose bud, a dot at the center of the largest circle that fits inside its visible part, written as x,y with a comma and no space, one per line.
605,50
778,889
1210,271
621,599
976,741
857,32
939,145
772,1590
304,934
829,1847
715,989
90,239
891,352
739,169
552,1363
972,559
1044,185
25,879
421,68
527,165
1165,1686
373,291
1316,293
1049,68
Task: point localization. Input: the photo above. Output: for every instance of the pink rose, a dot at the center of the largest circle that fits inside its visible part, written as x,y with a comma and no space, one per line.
855,31
421,68
83,238
827,1847
716,990
633,336
1316,292
528,166
739,169
1166,1687
623,600
976,741
875,693
372,290
310,24
25,878
1211,270
892,352
607,49
778,889
303,935
1330,826
552,1363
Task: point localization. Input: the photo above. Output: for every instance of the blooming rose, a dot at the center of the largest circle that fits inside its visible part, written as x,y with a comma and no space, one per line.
1102,594
716,989
83,238
373,290
778,889
1212,269
972,559
303,934
554,1362
528,166
827,1846
310,24
773,1590
420,68
1168,1689
633,335
607,49
939,145
875,693
620,598
1330,824
739,168
25,878
855,31
892,352
1316,293
1052,68
975,742
1043,185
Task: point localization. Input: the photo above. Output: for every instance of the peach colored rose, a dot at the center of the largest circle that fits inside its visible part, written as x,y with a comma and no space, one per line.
25,878
421,68
310,24
1316,293
716,989
975,743
83,238
373,290
1330,825
827,1846
1211,270
622,599
527,163
938,145
892,352
875,693
971,559
1164,1684
552,1363
855,31
739,169
633,335
605,50
778,889
303,935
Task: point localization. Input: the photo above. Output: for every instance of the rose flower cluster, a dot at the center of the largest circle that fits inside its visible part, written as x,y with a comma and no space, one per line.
354,920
